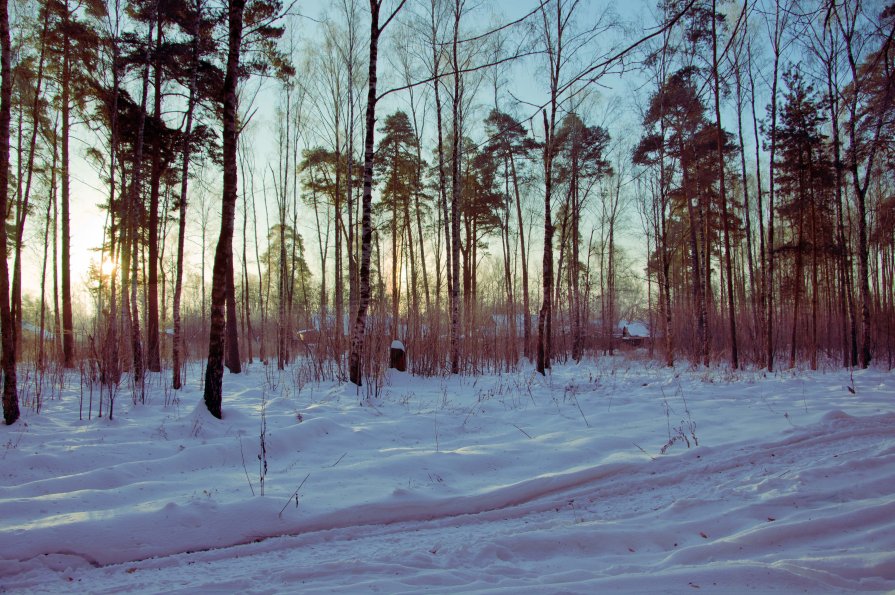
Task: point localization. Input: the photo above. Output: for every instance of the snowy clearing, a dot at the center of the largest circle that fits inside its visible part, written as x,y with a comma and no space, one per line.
511,483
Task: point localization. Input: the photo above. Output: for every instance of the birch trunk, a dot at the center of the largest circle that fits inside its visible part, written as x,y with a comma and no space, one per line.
355,371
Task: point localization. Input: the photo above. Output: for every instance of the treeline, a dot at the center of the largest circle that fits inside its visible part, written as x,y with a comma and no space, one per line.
439,208
784,255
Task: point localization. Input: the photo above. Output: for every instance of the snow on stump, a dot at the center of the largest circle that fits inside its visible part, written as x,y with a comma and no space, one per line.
397,356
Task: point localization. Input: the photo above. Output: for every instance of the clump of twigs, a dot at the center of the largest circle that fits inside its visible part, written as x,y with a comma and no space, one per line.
685,430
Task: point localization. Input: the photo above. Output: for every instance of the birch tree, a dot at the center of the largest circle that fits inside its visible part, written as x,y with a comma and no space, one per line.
355,371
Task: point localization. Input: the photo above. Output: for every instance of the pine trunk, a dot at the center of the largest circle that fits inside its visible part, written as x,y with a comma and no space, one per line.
248,333
769,271
153,356
223,257
442,176
68,336
177,348
232,359
135,203
456,201
747,215
10,393
696,269
546,312
526,305
722,189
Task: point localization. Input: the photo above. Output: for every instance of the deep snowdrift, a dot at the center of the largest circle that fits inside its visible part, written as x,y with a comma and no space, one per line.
576,482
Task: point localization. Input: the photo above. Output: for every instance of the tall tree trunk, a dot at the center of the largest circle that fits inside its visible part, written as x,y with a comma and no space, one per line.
349,202
442,176
798,279
338,280
563,245
769,271
125,248
526,306
57,311
456,197
323,243
863,274
68,336
396,260
747,209
846,298
556,58
10,393
814,281
512,354
282,299
612,318
135,203
111,361
283,270
575,273
246,287
762,253
664,252
177,348
41,338
696,270
223,257
153,355
51,203
722,190
846,307
413,290
706,260
355,370
232,359
546,312
419,217
263,301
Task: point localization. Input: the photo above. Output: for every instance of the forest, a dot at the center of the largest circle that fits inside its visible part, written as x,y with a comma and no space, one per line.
495,184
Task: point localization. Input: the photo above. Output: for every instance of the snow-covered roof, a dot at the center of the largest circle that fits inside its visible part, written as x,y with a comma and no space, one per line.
636,328
34,329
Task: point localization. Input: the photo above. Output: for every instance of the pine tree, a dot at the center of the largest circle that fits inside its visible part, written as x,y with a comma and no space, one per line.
398,165
510,143
580,164
677,127
804,177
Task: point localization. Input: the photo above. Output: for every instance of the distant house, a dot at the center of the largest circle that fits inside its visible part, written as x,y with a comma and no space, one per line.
633,328
632,332
35,330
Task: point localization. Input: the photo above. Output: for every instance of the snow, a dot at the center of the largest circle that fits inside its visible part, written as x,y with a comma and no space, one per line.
501,483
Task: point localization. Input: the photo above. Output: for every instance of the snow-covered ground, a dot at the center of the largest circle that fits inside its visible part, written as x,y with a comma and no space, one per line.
580,482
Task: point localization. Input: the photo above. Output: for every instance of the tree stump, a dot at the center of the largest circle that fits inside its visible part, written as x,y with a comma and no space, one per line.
397,356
